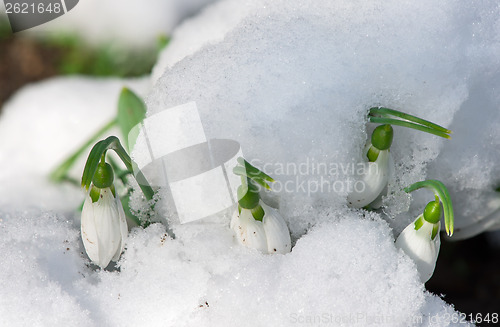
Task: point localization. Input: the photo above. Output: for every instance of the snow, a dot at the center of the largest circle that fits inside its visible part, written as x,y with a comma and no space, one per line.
121,23
203,277
291,81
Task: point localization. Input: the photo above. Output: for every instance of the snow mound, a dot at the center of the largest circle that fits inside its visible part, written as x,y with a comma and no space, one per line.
292,83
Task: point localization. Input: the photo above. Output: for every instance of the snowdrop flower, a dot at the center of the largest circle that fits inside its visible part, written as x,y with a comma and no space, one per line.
255,224
420,240
270,235
371,182
103,224
374,176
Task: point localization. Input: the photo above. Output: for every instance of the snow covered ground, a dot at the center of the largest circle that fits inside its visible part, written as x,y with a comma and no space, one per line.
291,81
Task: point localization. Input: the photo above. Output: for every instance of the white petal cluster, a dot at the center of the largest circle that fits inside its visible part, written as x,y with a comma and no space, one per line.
372,180
104,228
270,235
420,247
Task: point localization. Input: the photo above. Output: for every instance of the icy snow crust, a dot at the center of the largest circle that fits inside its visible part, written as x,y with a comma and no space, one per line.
291,81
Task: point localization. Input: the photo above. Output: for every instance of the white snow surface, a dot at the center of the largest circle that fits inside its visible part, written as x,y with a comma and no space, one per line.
204,278
292,82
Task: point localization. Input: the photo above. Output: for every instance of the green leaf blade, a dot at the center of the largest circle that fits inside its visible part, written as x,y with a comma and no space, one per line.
131,112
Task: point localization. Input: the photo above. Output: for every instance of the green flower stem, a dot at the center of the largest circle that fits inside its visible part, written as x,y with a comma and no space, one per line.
248,191
440,191
60,173
111,143
386,116
392,121
391,112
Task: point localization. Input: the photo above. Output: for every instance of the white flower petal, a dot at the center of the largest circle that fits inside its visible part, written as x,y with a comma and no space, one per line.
249,232
277,234
89,234
417,244
372,180
103,228
123,229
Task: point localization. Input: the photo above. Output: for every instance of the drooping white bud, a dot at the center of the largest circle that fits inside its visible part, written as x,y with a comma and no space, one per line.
420,246
103,228
277,234
372,179
270,235
249,232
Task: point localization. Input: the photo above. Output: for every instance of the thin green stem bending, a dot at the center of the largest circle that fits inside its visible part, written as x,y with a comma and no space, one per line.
439,190
112,143
383,115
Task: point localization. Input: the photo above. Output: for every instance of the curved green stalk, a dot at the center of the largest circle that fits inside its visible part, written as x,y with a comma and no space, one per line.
390,116
248,192
391,112
392,121
440,191
99,149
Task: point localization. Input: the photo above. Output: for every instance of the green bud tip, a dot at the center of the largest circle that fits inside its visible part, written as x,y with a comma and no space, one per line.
103,176
419,223
94,193
258,213
382,137
432,211
248,197
435,231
